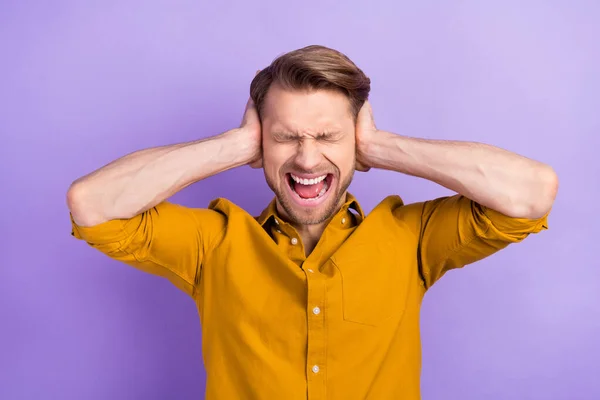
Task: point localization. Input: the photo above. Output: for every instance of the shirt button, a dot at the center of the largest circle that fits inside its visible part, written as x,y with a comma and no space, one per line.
294,241
343,220
316,310
276,222
310,270
315,369
278,231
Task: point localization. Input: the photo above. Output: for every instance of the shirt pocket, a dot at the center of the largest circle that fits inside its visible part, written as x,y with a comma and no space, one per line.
374,283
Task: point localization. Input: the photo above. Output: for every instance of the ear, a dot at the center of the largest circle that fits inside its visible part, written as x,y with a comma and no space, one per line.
257,164
361,167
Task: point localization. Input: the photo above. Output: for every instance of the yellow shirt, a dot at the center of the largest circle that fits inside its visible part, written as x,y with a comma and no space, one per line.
340,324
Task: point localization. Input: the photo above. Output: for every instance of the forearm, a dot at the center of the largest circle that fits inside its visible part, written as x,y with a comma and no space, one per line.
506,182
141,180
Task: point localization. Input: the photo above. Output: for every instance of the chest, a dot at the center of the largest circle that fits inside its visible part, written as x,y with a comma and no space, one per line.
364,279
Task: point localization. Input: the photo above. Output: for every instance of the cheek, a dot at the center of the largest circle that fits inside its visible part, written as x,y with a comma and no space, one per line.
342,156
274,157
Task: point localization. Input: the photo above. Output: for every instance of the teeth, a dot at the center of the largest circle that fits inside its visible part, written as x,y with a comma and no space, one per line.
308,181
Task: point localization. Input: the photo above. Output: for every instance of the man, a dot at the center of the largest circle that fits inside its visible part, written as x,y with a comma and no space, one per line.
312,299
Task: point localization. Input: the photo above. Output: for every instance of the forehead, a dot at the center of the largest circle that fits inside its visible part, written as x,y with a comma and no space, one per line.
315,110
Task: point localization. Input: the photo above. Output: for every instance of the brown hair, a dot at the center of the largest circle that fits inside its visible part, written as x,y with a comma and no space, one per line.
312,68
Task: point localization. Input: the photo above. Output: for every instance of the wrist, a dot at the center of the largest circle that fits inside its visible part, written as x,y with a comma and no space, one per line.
374,152
241,150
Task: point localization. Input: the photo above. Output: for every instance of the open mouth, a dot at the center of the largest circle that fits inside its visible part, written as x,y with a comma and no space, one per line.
309,190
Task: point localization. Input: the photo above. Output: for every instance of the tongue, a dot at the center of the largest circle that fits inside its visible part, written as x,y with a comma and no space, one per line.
309,191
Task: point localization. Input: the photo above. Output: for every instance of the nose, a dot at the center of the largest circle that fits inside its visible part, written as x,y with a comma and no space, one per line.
309,156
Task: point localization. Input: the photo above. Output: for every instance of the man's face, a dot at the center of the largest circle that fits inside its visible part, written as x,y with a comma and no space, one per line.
308,151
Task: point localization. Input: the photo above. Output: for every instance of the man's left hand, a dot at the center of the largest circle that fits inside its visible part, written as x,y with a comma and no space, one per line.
365,132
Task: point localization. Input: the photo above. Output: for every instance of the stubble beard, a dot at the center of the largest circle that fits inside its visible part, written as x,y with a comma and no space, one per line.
321,213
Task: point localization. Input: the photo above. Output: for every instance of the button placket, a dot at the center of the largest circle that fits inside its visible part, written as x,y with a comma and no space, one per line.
316,334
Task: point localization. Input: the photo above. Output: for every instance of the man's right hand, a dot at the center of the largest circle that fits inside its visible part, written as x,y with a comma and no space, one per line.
250,132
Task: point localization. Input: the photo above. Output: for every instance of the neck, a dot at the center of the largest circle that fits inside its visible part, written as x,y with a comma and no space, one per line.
310,234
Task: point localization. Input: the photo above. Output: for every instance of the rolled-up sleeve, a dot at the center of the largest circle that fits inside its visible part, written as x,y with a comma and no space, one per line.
455,231
168,240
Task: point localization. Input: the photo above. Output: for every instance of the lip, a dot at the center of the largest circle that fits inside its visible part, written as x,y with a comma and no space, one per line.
308,203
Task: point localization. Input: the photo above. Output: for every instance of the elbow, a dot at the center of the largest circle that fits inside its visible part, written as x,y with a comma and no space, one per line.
80,206
74,194
542,200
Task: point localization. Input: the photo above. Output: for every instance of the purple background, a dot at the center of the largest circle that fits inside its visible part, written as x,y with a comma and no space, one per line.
82,84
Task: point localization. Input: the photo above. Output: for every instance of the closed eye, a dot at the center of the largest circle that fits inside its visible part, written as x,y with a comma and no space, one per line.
329,137
283,137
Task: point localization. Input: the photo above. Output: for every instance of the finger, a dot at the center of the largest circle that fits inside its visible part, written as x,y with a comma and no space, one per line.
367,114
249,105
363,113
251,113
368,108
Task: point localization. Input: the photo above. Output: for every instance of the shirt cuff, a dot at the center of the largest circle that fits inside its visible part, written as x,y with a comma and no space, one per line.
106,232
511,225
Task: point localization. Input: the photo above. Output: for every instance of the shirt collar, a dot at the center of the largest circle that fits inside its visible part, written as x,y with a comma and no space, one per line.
350,203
